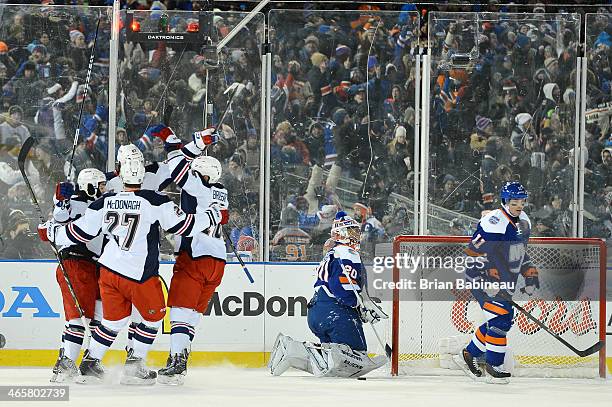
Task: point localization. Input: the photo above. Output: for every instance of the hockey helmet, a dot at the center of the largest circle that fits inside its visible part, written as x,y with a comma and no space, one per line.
132,168
346,230
206,165
89,181
512,190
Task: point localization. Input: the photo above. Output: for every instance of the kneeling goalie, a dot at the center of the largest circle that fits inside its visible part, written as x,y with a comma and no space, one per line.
335,315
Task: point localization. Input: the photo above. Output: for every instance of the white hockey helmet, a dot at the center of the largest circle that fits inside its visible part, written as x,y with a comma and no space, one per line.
346,230
132,168
207,165
89,181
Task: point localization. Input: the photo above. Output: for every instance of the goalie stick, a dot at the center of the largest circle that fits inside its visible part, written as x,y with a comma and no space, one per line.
77,133
582,353
23,154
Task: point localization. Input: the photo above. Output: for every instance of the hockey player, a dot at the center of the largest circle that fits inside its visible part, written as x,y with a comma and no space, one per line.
335,315
501,239
79,260
129,263
200,261
157,175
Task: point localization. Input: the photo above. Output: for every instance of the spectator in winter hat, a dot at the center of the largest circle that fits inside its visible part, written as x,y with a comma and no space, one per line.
484,129
12,126
522,130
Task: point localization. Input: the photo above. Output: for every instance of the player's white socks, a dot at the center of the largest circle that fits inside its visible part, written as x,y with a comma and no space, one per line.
182,328
144,335
72,338
131,330
103,336
101,339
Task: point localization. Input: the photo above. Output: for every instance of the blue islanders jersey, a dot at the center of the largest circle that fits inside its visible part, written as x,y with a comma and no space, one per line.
332,274
502,240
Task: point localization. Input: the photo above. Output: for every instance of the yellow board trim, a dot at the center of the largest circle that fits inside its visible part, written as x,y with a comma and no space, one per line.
47,358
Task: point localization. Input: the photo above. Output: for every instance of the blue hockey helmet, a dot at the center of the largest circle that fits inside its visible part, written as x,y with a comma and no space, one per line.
513,190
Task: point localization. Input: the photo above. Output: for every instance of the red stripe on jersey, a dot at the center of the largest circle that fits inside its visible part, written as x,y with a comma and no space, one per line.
75,234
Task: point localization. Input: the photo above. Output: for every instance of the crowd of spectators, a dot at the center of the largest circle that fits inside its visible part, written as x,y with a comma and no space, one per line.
502,107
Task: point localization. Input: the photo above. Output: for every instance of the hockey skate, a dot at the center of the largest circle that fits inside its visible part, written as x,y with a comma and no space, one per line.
64,370
91,370
175,370
136,373
468,364
497,375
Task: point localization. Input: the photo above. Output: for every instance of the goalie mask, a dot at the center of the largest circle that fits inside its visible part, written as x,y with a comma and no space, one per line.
91,181
346,230
132,168
206,165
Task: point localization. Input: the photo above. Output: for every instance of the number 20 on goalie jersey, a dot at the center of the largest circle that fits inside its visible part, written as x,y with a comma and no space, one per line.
332,274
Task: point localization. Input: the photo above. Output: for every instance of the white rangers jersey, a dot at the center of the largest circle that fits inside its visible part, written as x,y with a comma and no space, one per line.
130,223
196,196
76,208
157,176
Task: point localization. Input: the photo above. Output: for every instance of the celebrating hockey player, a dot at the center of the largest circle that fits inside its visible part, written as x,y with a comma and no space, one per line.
79,262
129,263
335,315
200,261
501,236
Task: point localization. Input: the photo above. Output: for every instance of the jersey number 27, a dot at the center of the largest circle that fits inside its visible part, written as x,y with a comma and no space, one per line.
130,220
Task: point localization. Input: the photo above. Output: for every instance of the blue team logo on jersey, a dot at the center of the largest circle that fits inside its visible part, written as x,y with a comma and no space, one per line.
494,220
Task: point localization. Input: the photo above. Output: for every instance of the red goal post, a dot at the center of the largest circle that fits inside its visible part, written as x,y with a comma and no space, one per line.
414,337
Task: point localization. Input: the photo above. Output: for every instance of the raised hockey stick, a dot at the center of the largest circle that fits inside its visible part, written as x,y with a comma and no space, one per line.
244,267
385,346
582,353
77,133
23,154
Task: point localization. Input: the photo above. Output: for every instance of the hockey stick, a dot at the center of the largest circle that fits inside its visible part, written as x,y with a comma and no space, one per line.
244,267
77,133
582,353
228,105
385,346
23,154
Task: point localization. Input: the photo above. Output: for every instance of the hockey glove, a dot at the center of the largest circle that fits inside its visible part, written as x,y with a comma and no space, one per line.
46,231
63,192
371,312
532,282
205,138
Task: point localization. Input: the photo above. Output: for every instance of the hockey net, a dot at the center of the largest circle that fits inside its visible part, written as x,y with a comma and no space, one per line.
426,334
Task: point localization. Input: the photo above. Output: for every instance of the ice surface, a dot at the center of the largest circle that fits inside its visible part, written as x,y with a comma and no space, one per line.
229,387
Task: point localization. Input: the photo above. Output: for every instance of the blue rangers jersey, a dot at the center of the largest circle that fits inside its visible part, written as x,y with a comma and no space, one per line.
130,222
332,275
502,239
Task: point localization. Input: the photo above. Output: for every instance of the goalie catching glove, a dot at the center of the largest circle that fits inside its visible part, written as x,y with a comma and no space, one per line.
370,312
206,137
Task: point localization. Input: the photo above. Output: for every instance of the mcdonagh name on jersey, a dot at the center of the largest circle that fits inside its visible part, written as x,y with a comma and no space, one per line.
130,205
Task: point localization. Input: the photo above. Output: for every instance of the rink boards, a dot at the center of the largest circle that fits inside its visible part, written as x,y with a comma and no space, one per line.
239,327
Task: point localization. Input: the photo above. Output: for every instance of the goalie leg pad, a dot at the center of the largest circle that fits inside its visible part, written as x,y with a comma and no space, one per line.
288,352
324,360
345,362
